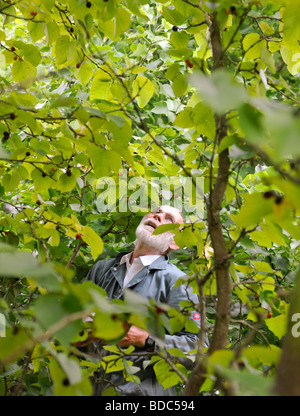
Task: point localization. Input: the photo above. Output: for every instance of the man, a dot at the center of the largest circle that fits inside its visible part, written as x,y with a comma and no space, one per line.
147,272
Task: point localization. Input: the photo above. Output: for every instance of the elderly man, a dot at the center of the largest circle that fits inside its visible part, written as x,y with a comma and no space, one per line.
147,272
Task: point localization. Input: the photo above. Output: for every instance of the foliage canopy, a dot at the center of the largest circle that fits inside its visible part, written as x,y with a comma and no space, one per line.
159,89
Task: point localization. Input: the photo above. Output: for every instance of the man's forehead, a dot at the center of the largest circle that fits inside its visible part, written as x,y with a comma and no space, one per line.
170,210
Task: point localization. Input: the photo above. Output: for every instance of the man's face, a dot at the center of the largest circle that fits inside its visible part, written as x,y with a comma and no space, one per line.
161,242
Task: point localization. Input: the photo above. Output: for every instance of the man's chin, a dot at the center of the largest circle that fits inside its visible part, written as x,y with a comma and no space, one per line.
145,237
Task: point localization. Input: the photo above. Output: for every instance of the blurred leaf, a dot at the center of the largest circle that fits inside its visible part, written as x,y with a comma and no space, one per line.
255,208
220,91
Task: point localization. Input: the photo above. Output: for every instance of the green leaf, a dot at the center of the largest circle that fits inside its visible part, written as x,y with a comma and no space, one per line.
84,73
115,27
251,122
172,71
51,32
260,354
65,51
24,73
179,85
51,309
291,30
142,90
165,227
173,16
278,325
292,59
70,368
221,357
252,45
204,121
104,162
220,91
62,385
165,375
179,39
11,345
66,182
185,119
255,208
108,327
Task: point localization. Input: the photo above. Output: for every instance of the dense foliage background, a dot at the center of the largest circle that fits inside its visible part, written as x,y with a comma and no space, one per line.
168,89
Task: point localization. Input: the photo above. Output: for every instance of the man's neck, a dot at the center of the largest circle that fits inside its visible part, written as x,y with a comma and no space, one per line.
143,250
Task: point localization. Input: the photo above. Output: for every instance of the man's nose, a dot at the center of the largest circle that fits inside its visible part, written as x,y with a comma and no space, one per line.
159,216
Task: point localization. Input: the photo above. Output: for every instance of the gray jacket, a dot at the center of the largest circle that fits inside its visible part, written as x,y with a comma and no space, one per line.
155,281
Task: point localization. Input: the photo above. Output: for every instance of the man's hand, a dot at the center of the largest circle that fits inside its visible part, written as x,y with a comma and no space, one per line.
135,336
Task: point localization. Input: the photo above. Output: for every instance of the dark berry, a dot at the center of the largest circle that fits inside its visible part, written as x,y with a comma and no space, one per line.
66,382
269,194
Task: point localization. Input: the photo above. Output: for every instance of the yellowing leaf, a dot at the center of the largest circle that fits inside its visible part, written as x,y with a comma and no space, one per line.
292,60
266,28
262,266
277,325
252,45
142,90
244,269
261,238
101,91
93,240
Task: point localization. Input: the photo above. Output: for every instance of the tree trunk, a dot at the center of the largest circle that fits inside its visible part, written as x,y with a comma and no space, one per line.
288,375
221,260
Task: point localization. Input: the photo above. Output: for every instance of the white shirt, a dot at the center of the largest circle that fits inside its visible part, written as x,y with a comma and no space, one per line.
137,265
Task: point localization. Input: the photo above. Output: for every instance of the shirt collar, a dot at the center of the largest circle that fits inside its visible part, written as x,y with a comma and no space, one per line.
145,260
159,264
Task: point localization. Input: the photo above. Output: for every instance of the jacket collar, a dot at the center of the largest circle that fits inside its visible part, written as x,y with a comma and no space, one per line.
158,264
